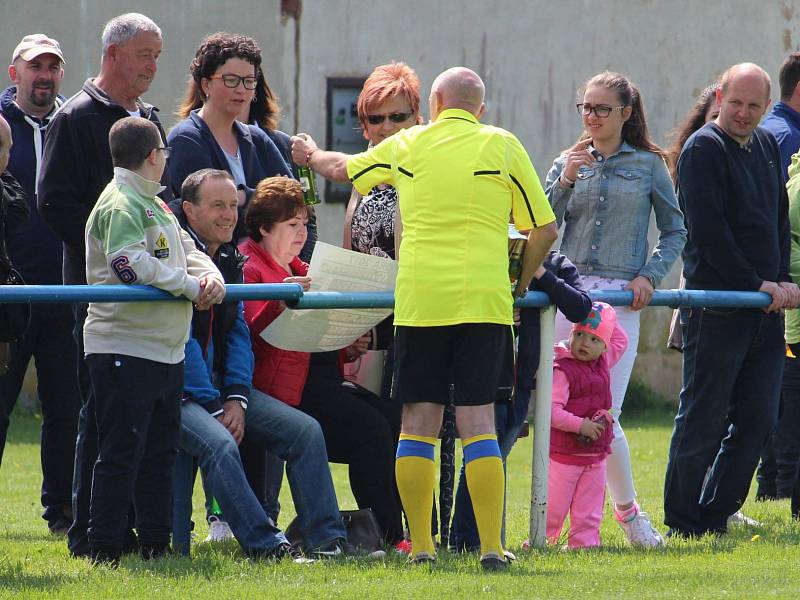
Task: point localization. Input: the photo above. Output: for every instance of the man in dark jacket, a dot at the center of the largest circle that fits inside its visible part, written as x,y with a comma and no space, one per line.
220,409
36,70
731,190
76,167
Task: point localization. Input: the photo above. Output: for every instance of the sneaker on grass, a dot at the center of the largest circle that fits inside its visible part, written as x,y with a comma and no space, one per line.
343,549
739,519
492,561
638,529
218,530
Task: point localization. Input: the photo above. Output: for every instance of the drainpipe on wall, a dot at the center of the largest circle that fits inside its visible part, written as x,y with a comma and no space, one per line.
292,9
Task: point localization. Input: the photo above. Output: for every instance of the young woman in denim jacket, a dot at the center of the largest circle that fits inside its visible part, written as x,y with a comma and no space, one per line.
603,189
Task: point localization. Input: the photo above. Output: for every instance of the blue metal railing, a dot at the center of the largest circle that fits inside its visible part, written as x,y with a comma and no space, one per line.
294,296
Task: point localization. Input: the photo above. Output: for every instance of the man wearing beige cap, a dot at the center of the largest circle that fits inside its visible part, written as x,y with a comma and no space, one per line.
36,72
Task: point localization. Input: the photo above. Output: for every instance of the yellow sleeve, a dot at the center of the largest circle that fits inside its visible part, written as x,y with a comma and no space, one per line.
372,167
530,206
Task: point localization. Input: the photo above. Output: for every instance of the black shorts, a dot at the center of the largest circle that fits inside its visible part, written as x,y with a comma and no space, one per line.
470,355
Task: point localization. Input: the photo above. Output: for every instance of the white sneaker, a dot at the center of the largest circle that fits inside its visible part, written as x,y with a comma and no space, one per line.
218,530
640,532
739,519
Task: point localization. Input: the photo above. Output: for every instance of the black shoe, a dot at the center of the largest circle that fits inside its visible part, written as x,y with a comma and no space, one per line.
59,526
130,543
492,561
153,551
421,559
280,552
108,558
766,493
343,549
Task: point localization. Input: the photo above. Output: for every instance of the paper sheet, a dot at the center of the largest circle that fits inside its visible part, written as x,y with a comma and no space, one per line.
334,269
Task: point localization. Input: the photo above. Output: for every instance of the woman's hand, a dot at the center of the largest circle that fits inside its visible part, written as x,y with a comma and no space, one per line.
642,292
577,156
358,348
304,281
302,146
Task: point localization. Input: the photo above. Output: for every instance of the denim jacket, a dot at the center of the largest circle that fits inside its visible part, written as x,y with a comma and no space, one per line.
607,215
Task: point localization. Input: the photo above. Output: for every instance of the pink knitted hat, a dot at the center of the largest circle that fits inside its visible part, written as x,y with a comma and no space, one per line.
600,322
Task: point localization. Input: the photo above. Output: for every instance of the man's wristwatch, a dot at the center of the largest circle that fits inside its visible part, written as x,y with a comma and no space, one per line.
240,399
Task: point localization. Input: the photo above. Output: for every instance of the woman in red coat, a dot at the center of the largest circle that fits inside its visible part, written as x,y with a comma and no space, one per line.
357,432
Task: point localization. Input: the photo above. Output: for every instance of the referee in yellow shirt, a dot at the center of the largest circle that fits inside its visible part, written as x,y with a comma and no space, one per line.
458,181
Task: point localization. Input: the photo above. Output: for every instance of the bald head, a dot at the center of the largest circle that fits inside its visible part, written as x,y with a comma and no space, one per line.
743,98
458,87
5,144
747,74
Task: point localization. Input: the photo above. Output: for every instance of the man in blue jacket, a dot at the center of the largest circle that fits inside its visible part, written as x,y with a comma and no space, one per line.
220,409
36,70
779,459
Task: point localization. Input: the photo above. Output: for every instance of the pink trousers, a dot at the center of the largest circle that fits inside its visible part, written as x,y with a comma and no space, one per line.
580,491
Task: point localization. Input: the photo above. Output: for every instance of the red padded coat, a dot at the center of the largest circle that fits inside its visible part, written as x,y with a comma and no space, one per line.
279,373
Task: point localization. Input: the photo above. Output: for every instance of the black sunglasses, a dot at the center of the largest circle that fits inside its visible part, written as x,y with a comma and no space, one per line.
394,118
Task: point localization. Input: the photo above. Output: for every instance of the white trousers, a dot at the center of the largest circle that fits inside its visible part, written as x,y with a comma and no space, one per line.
619,475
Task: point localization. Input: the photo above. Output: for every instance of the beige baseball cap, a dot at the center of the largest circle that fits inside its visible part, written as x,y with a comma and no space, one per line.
35,44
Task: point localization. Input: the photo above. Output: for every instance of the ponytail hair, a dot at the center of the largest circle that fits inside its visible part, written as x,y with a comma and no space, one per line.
634,130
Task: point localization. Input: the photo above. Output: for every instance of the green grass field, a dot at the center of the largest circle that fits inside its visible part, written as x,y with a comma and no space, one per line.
763,562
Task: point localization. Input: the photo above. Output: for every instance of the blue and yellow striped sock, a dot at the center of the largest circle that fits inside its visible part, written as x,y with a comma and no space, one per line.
416,477
486,482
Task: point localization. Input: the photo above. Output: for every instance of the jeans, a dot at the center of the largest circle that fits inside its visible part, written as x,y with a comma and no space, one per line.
50,343
464,530
732,365
264,473
137,404
781,455
285,432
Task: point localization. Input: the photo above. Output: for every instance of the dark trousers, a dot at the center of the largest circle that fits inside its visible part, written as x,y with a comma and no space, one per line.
781,455
358,434
50,343
137,405
732,365
85,445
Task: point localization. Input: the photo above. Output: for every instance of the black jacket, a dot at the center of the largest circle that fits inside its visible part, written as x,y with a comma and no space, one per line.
14,212
77,167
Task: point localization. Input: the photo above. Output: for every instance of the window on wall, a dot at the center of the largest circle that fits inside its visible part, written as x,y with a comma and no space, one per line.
343,129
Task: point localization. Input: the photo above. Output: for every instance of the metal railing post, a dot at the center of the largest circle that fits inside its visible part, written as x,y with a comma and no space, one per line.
541,428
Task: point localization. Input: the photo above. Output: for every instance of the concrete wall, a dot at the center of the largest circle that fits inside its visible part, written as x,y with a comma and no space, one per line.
533,55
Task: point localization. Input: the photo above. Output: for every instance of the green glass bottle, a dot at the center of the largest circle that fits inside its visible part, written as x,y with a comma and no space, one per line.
308,183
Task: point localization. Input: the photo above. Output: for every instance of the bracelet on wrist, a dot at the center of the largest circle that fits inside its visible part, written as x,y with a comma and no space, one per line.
309,154
567,180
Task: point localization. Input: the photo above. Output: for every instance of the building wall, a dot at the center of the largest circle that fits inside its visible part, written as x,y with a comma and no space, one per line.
533,55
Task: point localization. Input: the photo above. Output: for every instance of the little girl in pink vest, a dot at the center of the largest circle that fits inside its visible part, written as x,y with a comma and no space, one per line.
581,427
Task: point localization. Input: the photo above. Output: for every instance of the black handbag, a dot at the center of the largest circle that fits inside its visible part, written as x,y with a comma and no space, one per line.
14,317
362,528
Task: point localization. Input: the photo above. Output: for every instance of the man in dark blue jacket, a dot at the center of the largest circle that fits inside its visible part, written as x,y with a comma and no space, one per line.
779,459
35,251
733,197
220,409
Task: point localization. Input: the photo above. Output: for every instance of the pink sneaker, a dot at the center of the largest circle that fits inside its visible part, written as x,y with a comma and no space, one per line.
403,547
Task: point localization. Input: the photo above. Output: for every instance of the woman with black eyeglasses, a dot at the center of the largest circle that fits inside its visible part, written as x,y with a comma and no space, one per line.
224,77
604,189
